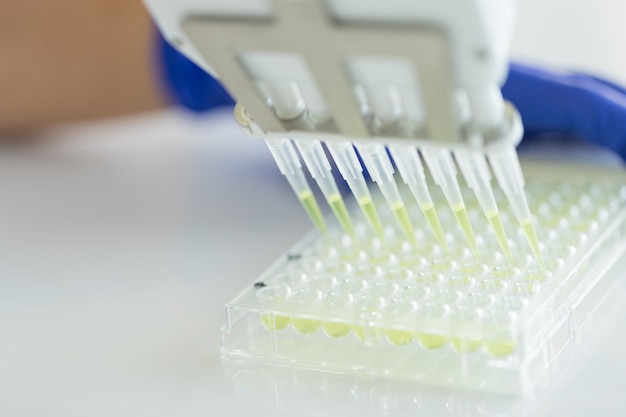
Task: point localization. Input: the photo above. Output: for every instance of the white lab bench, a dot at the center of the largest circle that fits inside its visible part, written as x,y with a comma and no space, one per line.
120,243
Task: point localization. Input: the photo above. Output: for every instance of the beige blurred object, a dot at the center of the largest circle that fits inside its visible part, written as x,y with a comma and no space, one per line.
68,60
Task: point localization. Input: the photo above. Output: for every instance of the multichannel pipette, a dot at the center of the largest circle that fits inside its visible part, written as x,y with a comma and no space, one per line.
399,80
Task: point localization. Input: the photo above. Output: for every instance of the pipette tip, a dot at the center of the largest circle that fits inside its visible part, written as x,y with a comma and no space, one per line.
399,210
531,235
369,209
430,213
498,228
338,207
307,199
460,212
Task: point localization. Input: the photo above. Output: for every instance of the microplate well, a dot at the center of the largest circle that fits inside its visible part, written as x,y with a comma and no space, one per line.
356,305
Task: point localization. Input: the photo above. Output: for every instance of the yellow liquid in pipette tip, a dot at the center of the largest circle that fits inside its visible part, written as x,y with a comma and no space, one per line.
339,208
533,241
313,210
433,220
399,210
460,212
369,209
498,229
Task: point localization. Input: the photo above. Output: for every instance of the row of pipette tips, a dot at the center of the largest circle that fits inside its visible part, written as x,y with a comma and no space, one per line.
442,167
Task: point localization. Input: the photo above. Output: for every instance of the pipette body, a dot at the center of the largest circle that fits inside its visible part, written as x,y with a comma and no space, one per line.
410,79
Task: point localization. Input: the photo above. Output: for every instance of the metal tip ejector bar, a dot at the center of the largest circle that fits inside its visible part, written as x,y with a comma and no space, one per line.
399,82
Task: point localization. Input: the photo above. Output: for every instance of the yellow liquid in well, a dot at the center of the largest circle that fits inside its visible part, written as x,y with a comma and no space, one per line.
399,337
465,345
432,341
339,208
531,236
369,209
399,210
359,332
498,229
472,268
460,212
305,326
433,220
500,348
313,210
364,334
274,322
334,329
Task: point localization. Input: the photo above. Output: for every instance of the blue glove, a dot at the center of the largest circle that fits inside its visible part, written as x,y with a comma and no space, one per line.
188,84
569,103
549,102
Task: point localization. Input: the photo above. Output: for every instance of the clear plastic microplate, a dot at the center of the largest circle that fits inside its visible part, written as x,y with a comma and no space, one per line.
450,317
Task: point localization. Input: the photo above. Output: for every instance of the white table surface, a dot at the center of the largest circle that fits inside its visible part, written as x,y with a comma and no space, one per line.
120,243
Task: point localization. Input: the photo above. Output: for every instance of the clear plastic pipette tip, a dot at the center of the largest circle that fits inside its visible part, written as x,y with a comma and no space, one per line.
412,172
320,169
379,166
506,167
442,169
289,164
476,173
347,162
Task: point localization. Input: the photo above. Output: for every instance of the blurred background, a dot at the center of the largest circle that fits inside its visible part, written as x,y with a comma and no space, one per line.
126,223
